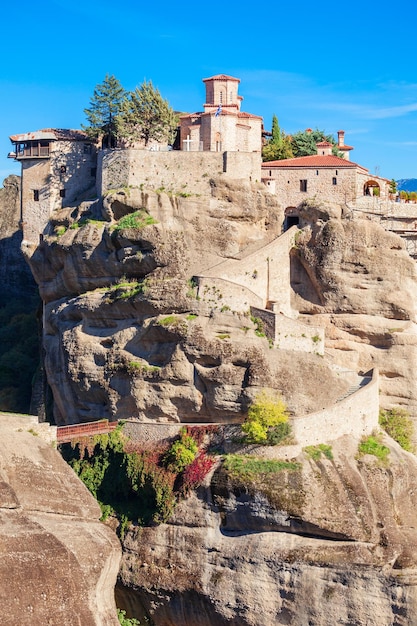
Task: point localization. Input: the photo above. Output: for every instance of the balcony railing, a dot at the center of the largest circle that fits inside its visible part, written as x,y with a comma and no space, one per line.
33,150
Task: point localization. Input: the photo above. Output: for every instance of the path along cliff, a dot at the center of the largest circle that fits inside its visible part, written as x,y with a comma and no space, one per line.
129,331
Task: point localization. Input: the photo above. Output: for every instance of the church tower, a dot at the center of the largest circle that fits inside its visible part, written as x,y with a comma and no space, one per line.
221,91
222,126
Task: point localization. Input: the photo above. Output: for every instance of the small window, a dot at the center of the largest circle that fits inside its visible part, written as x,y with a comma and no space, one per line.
317,172
62,193
336,172
87,148
36,195
270,173
334,180
93,172
221,97
303,185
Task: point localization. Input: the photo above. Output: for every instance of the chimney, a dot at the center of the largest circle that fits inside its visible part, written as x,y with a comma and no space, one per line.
340,138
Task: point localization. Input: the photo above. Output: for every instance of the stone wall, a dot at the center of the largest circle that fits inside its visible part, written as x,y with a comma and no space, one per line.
177,172
356,415
319,183
68,170
339,185
290,334
264,273
35,213
219,293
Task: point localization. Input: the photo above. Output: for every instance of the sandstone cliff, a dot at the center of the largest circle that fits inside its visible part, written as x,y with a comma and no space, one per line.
358,282
331,542
15,276
58,563
127,336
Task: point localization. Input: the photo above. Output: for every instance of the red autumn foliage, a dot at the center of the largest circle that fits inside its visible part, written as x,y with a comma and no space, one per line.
195,473
200,434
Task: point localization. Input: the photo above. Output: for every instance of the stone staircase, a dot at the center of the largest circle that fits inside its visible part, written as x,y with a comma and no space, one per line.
361,382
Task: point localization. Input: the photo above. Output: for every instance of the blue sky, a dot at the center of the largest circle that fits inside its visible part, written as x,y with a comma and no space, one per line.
311,64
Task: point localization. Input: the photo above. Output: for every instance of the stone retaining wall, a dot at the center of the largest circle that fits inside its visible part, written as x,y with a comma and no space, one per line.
290,334
264,273
356,416
176,172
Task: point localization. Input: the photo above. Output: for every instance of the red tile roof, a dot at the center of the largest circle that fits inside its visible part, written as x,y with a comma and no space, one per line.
222,77
324,143
243,114
51,133
315,160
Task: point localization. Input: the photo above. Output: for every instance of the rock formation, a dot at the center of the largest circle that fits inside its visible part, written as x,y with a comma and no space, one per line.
127,336
15,276
58,563
332,542
358,281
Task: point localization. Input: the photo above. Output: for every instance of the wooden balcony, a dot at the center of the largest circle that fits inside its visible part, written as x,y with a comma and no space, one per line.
32,150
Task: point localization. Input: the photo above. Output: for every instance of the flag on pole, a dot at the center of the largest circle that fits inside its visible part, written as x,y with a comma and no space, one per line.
219,110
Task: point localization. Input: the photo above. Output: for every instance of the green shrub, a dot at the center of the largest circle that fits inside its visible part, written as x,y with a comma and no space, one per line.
372,445
125,288
181,453
267,420
259,330
60,230
138,219
316,452
174,323
169,320
126,621
130,485
397,424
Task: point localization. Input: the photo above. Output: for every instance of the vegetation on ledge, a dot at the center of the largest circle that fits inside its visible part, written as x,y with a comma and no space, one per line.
137,485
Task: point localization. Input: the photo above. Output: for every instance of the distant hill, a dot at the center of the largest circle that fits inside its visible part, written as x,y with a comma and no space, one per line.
407,184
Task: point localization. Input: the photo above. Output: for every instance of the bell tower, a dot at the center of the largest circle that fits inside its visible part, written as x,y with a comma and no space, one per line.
221,91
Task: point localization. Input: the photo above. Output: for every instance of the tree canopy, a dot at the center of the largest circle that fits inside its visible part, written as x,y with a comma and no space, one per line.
104,108
303,143
279,146
146,115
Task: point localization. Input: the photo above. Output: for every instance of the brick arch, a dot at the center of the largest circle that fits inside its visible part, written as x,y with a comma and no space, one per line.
369,186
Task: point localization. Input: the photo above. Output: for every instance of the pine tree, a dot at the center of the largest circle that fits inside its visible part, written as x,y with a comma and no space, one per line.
304,143
104,108
145,115
276,131
393,187
279,146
